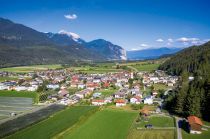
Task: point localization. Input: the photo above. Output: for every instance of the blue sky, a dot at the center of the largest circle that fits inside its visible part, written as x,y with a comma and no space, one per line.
132,24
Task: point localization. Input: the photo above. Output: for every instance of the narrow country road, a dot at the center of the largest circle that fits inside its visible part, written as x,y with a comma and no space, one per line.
179,132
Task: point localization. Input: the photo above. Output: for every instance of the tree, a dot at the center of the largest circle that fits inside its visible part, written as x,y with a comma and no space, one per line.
130,81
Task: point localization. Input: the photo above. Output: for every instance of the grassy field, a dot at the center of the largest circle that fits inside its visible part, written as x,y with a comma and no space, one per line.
158,121
204,135
25,69
33,95
55,124
152,134
2,79
160,87
100,69
105,124
107,92
146,67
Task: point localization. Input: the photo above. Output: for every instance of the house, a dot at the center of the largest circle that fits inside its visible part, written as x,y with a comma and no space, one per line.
170,84
120,102
108,99
63,93
135,100
154,93
119,94
83,93
148,100
195,124
106,85
96,95
81,86
73,84
21,88
32,88
98,102
53,86
3,87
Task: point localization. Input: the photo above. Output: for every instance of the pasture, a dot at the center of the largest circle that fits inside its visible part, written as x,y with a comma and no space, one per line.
94,70
157,121
152,134
23,94
26,69
55,124
105,124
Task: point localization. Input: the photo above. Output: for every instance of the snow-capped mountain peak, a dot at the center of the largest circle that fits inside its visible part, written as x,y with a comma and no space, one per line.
74,36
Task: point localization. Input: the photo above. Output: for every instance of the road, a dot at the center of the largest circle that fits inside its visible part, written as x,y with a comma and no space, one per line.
179,131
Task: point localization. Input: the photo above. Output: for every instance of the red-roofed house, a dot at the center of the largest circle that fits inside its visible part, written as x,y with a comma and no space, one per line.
195,124
120,102
98,102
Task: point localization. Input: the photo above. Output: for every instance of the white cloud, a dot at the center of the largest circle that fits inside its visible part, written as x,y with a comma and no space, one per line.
71,17
144,45
159,40
170,40
184,39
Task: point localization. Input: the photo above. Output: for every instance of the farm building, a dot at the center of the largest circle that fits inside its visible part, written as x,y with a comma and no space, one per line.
195,124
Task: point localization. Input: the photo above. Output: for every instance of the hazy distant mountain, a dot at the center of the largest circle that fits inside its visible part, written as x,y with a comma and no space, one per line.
21,45
107,49
151,53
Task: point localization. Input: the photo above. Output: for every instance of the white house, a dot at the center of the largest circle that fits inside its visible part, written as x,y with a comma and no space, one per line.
53,86
148,100
135,100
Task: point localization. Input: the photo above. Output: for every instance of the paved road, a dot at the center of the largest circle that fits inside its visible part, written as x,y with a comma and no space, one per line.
179,132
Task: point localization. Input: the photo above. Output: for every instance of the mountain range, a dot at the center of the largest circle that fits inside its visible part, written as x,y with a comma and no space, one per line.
150,53
21,45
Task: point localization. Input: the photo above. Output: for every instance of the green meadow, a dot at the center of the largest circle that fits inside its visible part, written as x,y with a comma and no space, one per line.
26,69
55,124
152,134
105,124
34,95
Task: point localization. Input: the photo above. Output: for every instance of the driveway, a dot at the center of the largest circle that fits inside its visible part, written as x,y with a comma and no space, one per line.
178,127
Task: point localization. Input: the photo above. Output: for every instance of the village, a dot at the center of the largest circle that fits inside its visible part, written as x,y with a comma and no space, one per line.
141,91
122,87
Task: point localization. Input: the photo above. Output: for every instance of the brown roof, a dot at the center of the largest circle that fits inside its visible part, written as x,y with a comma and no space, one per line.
194,120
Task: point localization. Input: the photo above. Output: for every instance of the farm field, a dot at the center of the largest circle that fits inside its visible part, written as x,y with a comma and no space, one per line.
158,121
105,124
152,134
24,94
204,135
146,67
102,69
55,124
17,105
25,69
2,79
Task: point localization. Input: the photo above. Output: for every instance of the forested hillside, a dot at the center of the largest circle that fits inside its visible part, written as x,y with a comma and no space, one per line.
193,96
